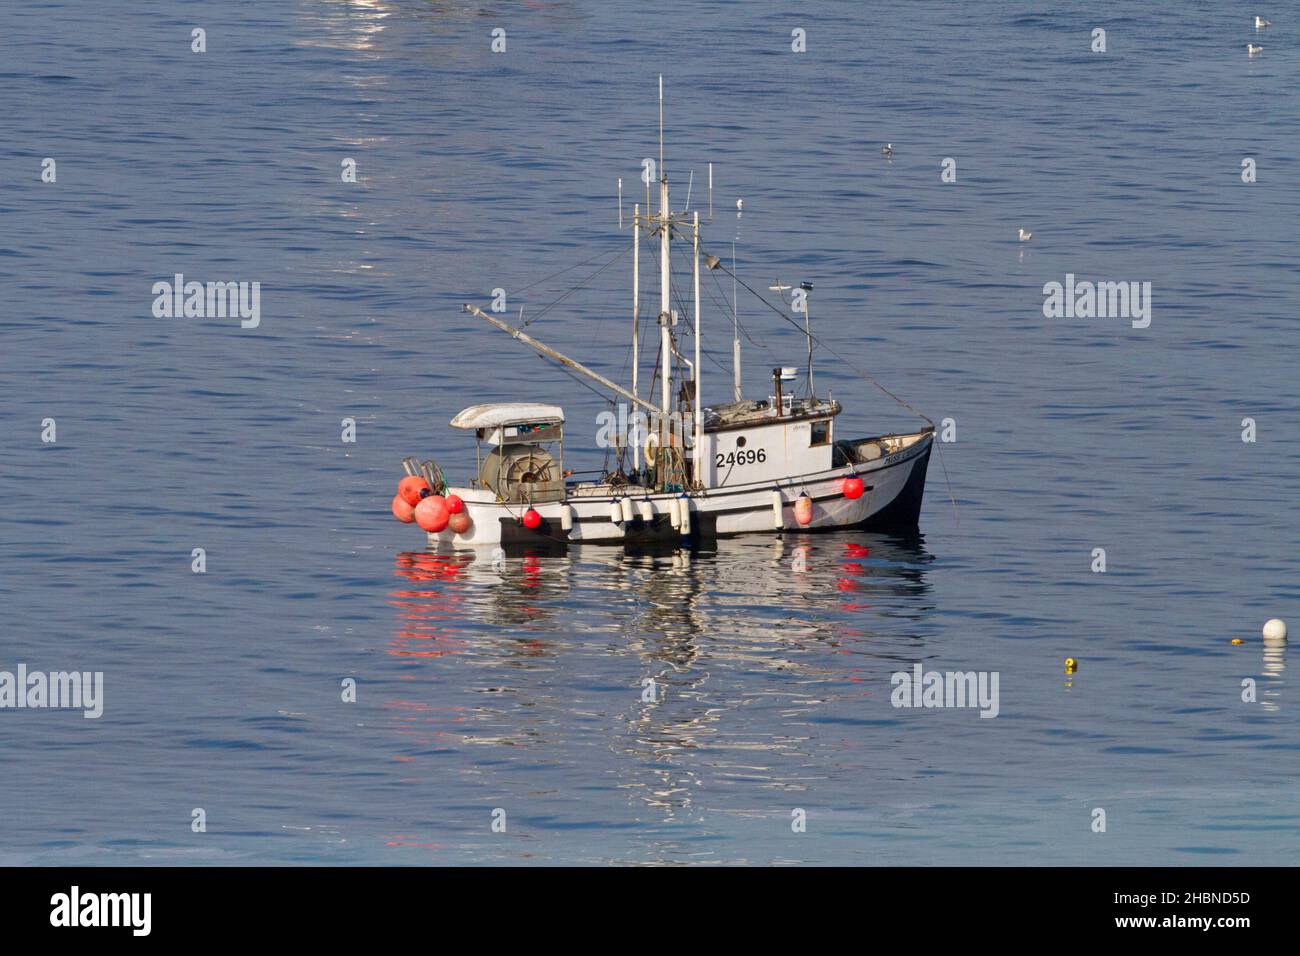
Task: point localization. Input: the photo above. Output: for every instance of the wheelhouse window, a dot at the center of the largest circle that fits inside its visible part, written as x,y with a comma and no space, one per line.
820,433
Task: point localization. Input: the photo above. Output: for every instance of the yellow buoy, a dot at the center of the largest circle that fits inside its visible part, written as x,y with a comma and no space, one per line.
1071,665
1237,640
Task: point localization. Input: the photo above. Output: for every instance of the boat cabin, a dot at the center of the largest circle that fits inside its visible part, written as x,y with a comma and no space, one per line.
766,440
525,461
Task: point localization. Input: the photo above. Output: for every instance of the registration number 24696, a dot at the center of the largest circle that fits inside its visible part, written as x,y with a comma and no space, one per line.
742,456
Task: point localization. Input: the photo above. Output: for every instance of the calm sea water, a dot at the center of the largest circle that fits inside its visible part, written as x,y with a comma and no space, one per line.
520,687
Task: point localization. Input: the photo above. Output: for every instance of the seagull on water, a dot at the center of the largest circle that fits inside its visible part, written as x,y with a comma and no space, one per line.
1253,48
887,150
1025,236
1261,23
740,204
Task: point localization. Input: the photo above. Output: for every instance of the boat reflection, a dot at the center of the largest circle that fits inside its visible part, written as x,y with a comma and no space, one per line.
697,668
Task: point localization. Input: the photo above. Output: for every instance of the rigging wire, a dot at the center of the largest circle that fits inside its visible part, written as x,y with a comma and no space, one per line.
580,285
690,329
828,348
675,293
576,265
861,374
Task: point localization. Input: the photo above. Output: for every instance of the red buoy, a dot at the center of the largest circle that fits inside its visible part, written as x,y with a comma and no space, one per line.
455,505
532,519
431,514
411,488
402,511
459,522
852,487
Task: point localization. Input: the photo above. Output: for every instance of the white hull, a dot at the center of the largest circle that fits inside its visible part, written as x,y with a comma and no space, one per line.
894,485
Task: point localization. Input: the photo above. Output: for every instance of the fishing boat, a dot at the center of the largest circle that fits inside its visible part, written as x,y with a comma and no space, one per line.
685,470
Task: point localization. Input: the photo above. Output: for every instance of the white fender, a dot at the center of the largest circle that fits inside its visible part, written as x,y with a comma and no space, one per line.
674,515
625,505
647,509
615,513
684,510
566,517
778,521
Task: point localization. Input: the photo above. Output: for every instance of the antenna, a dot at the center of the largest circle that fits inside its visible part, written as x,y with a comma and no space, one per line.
711,200
661,126
620,202
807,328
689,184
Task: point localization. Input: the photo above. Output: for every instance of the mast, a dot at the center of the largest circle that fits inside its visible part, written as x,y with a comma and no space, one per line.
636,315
735,330
665,284
662,174
699,405
665,311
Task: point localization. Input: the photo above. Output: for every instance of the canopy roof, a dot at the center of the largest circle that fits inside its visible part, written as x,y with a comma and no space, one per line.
496,414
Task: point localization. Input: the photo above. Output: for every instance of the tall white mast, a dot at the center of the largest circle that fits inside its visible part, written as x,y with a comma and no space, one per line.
696,401
665,306
735,330
662,174
665,282
636,316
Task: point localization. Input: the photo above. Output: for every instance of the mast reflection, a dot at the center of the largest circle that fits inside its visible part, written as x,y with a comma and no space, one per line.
705,642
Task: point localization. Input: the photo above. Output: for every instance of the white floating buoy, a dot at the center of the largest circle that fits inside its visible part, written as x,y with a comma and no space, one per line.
684,512
778,520
615,512
566,517
625,505
1275,630
674,514
647,509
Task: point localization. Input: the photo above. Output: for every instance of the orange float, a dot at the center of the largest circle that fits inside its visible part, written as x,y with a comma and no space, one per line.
431,514
402,510
532,519
852,487
413,488
803,510
455,505
459,522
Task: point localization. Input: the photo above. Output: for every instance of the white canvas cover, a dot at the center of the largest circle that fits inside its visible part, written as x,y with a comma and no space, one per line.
497,414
